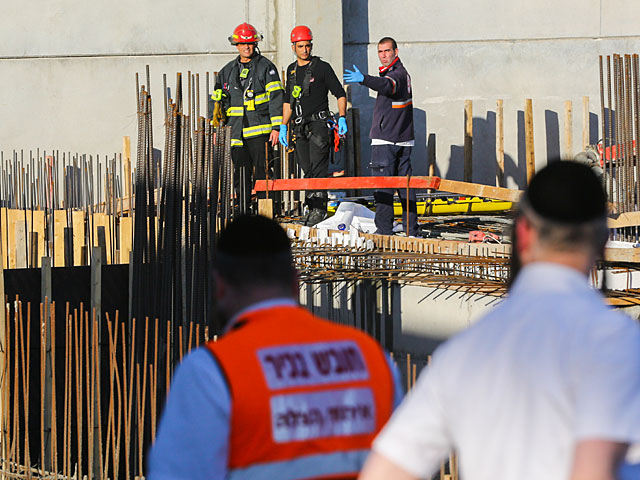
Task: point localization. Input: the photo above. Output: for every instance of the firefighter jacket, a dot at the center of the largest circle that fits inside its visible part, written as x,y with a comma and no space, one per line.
393,112
307,396
251,95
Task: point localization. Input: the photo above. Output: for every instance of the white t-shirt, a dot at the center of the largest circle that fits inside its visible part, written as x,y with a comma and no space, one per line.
513,394
408,143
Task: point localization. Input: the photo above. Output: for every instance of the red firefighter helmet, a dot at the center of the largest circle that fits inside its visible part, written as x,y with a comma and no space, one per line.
301,33
245,33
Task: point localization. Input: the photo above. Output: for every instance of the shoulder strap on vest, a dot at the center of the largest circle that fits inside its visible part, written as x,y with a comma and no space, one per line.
303,90
306,82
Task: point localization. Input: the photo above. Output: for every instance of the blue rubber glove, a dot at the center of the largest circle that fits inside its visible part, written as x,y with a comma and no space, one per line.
342,126
282,136
354,76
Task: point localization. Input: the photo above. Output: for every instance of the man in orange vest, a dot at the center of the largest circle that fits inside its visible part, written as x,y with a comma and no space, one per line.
283,393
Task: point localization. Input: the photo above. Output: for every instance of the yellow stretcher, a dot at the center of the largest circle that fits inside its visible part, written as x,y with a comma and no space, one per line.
449,206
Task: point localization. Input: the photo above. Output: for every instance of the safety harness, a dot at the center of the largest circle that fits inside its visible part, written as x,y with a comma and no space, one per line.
300,120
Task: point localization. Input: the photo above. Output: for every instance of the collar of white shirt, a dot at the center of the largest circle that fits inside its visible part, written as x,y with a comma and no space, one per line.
271,303
546,276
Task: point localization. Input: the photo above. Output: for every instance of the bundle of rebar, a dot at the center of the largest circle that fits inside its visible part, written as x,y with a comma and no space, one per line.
620,124
180,204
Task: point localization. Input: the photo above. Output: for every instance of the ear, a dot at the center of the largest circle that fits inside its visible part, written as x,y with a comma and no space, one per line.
524,234
295,286
220,286
293,47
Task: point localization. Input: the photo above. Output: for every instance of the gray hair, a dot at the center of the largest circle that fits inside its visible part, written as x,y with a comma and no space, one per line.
590,236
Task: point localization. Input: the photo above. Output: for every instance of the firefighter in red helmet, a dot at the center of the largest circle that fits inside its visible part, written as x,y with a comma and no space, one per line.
306,104
250,93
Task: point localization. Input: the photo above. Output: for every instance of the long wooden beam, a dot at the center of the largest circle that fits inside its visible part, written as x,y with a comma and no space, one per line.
417,182
629,219
479,190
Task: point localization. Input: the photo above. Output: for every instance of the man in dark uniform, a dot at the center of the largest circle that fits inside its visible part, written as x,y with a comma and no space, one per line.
250,92
309,80
391,133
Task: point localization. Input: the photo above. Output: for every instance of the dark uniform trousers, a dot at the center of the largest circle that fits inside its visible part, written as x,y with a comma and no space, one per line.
393,160
312,153
249,165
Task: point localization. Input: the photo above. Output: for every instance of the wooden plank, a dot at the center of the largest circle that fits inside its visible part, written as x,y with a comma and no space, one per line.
468,141
15,218
629,219
630,255
39,228
387,242
568,130
126,227
59,222
585,122
500,143
479,190
4,394
622,301
20,245
528,133
79,241
34,253
346,183
265,207
126,159
4,221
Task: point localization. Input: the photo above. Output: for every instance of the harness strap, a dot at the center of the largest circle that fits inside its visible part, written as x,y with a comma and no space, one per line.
297,92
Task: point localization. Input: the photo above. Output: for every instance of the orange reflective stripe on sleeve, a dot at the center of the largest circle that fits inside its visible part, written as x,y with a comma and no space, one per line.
403,104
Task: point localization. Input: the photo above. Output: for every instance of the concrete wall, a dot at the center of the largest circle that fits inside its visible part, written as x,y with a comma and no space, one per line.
404,318
68,67
489,50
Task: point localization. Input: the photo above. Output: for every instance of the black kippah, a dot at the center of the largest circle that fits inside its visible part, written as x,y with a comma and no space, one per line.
253,235
566,191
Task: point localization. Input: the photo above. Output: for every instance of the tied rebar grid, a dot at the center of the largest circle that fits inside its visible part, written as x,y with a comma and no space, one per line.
486,275
620,111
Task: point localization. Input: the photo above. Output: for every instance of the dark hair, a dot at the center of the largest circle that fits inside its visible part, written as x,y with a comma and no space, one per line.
390,40
254,250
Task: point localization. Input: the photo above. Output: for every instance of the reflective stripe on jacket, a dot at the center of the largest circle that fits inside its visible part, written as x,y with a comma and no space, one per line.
393,112
308,396
255,114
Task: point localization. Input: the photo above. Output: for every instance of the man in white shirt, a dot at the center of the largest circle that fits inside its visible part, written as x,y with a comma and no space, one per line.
547,385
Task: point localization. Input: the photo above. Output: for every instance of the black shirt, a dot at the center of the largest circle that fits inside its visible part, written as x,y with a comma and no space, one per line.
323,81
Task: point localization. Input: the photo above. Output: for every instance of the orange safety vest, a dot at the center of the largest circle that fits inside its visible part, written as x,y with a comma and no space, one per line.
307,396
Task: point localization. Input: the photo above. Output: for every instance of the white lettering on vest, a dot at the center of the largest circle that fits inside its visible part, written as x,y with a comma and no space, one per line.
329,413
295,365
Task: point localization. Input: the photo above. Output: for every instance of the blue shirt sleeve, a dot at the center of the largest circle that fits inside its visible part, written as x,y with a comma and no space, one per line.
193,435
629,471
